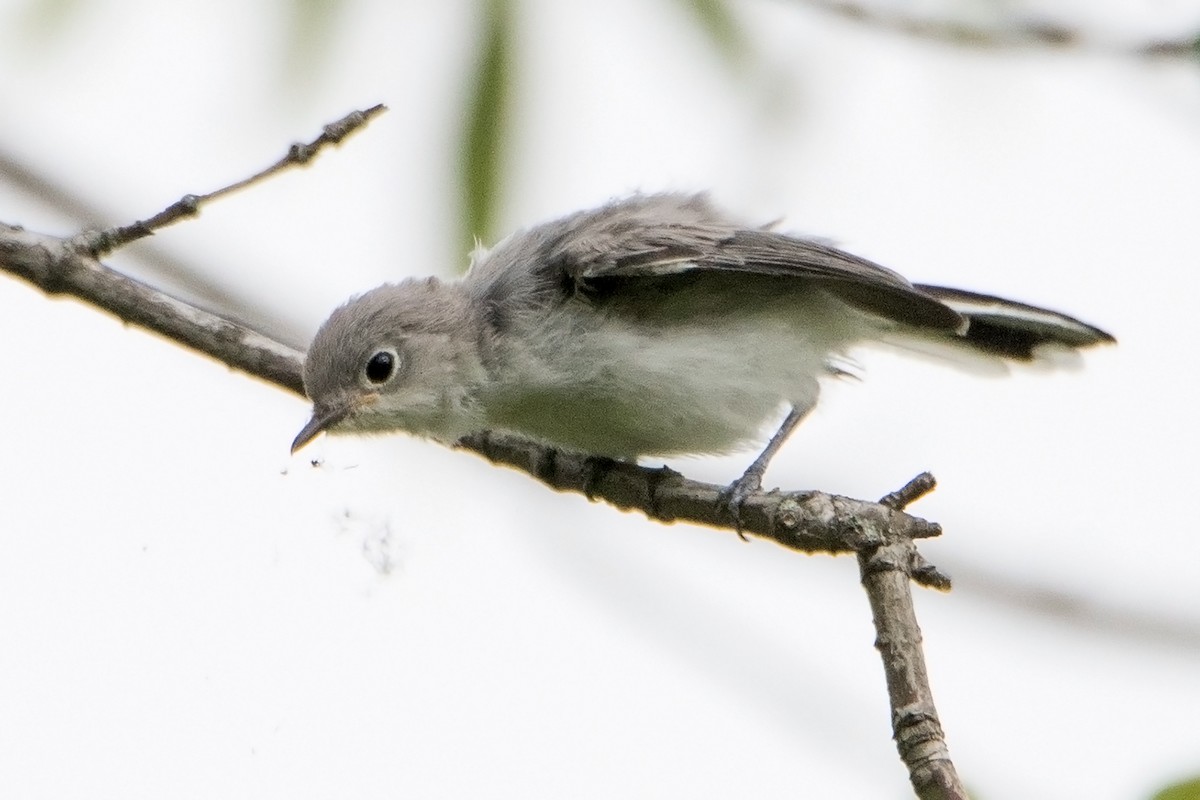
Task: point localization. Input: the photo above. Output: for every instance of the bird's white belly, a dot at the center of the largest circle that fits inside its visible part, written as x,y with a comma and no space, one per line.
689,388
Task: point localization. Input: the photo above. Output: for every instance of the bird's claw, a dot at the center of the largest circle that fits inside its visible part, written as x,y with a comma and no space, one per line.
734,496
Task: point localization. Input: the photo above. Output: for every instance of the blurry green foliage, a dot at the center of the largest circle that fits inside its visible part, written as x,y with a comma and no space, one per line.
722,28
1187,790
486,121
309,27
486,129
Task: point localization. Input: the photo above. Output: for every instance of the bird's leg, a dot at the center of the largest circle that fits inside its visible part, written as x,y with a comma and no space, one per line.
736,493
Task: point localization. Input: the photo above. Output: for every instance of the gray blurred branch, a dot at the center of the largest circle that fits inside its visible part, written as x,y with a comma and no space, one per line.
1049,602
1011,33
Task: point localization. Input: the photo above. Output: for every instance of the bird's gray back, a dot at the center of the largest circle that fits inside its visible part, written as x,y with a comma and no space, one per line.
648,246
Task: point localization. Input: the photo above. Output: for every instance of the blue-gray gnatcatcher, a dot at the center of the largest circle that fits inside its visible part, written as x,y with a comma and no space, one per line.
654,325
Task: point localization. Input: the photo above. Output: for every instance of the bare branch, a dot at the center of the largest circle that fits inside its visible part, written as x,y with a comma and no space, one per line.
808,522
58,266
299,154
886,575
153,260
811,522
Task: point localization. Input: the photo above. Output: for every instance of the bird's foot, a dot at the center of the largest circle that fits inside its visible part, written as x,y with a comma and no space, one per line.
734,496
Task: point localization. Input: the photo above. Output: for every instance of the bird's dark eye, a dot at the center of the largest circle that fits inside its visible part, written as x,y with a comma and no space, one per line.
381,366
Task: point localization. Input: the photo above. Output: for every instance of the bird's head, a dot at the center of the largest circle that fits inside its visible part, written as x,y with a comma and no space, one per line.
402,357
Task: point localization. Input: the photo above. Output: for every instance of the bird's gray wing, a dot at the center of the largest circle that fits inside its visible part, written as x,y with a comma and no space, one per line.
656,236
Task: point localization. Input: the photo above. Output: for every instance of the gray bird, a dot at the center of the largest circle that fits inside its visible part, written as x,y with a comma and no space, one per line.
655,325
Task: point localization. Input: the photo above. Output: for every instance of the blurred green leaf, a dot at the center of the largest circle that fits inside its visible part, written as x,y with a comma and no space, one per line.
486,130
1188,790
722,28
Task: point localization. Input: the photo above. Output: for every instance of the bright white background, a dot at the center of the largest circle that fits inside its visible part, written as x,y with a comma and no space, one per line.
187,613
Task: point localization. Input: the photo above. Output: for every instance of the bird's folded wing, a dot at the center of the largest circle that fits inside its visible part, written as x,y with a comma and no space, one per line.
658,236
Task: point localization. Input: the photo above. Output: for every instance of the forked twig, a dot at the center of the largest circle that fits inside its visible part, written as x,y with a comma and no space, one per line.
101,243
886,573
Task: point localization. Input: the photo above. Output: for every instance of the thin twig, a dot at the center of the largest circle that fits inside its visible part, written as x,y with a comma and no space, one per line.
153,261
100,243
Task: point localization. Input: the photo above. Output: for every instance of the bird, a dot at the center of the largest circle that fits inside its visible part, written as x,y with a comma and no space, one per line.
653,325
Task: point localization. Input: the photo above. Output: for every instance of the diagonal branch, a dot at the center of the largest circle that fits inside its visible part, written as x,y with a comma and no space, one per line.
810,522
805,521
882,534
16,172
299,154
66,266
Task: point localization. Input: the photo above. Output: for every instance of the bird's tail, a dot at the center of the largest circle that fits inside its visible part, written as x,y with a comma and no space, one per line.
1001,331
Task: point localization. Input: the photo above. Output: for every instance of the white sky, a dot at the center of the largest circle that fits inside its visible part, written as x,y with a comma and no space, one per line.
186,613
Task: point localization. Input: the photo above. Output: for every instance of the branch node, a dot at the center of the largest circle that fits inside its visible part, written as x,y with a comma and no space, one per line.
907,718
546,465
660,477
596,469
787,514
876,560
300,153
337,131
90,242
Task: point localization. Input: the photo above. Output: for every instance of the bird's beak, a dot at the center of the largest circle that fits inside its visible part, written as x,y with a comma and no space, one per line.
323,418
